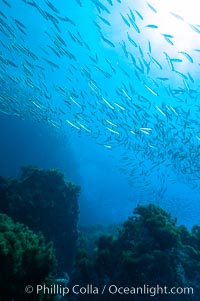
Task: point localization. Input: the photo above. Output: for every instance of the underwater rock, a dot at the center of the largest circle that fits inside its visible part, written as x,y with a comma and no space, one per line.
44,201
25,260
149,250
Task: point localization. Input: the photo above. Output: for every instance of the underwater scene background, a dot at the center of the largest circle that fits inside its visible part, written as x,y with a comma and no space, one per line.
99,148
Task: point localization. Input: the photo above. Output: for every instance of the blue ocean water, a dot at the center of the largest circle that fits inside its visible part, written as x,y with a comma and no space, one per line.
108,92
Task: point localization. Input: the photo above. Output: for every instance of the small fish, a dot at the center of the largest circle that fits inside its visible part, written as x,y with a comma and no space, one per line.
167,38
132,14
2,14
194,28
39,106
97,25
66,19
72,124
178,17
133,59
146,129
149,46
105,21
107,146
135,26
186,85
155,61
126,94
112,131
150,90
152,146
108,121
40,10
74,38
74,101
163,78
152,26
119,106
190,77
139,15
100,6
95,60
151,7
20,23
169,41
84,127
160,111
111,44
109,105
58,36
52,7
175,60
190,59
6,3
169,61
167,35
173,110
52,64
124,71
87,46
6,27
131,88
181,74
125,20
110,64
141,52
54,123
145,132
131,40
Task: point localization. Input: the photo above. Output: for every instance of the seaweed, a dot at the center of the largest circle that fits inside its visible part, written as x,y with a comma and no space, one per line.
149,249
25,259
47,203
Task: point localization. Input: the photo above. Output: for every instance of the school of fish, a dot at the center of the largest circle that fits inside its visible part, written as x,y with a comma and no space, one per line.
93,67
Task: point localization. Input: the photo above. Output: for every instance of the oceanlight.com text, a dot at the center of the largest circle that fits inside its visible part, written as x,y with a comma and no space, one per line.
111,289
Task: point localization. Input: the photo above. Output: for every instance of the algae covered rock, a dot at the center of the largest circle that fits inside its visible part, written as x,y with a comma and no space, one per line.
150,249
46,202
25,259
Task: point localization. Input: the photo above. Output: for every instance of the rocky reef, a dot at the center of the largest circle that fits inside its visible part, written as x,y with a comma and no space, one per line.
25,259
150,249
44,201
39,240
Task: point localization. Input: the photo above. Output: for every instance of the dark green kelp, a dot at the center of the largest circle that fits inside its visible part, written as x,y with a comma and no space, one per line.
150,249
25,259
44,201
